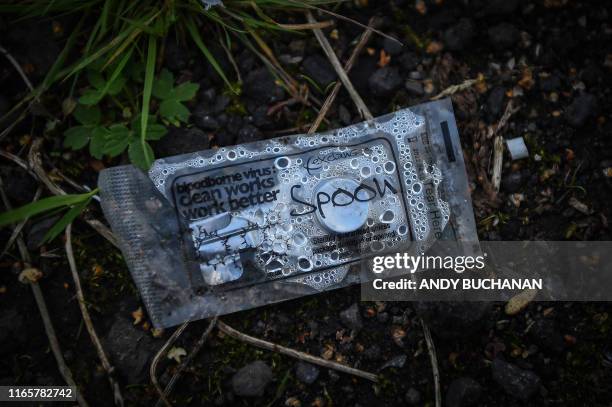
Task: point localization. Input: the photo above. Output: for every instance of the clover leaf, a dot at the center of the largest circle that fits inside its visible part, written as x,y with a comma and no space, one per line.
171,107
89,127
101,87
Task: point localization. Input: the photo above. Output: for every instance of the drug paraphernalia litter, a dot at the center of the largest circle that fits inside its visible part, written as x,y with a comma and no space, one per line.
517,148
224,230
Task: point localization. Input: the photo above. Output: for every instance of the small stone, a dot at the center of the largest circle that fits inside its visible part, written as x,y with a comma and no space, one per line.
351,318
180,140
412,397
206,122
503,36
459,36
518,383
409,61
385,81
392,47
512,182
462,392
306,372
260,86
129,348
414,87
252,379
319,69
248,134
495,102
582,108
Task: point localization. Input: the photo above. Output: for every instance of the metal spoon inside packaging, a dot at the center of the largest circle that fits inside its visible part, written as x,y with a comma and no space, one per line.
223,230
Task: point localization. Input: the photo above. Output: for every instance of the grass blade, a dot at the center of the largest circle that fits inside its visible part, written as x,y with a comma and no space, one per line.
38,207
198,41
61,224
146,97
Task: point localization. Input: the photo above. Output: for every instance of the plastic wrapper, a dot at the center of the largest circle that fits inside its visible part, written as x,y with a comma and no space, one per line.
218,231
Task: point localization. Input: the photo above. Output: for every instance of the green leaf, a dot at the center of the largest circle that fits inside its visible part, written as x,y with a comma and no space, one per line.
97,142
140,157
41,206
90,97
147,153
117,140
68,217
156,131
173,110
77,137
185,91
95,79
163,86
171,97
87,115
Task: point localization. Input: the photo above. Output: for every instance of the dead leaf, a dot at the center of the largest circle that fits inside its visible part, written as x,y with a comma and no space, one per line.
2,289
434,47
579,206
157,332
384,59
138,315
526,82
398,335
97,270
30,275
520,301
176,353
421,7
328,352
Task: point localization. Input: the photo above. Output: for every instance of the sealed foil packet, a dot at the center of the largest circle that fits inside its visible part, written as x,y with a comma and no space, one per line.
218,231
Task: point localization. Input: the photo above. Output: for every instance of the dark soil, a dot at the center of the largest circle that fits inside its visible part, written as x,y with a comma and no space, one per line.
552,58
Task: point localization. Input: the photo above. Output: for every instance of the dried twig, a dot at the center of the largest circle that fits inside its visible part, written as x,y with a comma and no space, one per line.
498,158
333,59
110,370
188,359
44,311
17,67
160,354
25,79
451,90
365,36
498,145
260,343
434,362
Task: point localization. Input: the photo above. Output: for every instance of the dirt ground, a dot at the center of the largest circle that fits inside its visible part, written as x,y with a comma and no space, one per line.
552,59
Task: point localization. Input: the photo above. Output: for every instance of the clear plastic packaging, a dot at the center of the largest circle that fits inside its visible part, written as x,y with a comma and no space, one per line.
223,230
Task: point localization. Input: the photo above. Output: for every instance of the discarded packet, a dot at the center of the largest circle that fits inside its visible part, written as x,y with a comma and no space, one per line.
219,231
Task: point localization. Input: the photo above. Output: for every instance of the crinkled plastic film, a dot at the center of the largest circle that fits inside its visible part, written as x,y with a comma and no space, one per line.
224,230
